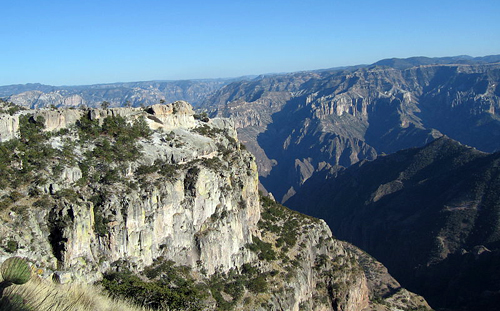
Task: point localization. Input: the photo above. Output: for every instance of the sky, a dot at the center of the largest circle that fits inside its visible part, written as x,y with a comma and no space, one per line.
74,42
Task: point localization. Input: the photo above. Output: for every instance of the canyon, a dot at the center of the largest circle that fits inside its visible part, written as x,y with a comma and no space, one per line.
398,157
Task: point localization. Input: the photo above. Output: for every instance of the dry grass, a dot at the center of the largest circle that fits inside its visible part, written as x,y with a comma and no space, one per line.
38,295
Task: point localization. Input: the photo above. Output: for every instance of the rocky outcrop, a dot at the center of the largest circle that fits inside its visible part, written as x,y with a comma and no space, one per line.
58,119
141,223
9,127
166,117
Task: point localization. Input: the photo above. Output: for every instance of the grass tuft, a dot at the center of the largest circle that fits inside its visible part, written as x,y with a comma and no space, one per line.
40,295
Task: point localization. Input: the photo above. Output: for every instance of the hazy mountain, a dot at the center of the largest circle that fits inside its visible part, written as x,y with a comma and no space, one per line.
430,214
404,63
117,94
297,124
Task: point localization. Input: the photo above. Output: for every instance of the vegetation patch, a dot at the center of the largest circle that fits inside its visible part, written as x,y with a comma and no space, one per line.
161,286
23,160
208,131
283,222
263,249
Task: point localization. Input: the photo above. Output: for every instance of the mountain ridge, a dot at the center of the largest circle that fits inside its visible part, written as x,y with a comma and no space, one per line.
429,213
145,93
404,63
196,91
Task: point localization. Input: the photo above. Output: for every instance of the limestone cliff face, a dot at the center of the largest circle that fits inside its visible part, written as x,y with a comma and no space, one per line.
9,126
167,117
316,280
174,218
315,271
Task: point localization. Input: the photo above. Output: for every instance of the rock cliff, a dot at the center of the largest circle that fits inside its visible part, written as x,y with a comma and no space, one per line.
165,117
139,218
90,194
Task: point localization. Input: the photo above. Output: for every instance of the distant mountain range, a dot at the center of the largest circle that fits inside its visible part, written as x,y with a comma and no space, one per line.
297,124
404,63
36,95
117,94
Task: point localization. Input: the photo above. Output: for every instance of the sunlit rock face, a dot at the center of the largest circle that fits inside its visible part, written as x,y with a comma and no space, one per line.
176,217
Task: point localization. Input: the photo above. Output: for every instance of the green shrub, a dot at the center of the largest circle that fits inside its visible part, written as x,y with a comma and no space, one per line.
214,163
258,284
321,261
203,116
100,221
248,269
235,289
166,169
146,169
69,194
87,128
140,128
110,176
14,109
12,246
191,178
43,202
263,249
31,129
208,131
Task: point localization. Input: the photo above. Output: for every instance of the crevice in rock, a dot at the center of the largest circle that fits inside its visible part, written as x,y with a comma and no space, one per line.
56,235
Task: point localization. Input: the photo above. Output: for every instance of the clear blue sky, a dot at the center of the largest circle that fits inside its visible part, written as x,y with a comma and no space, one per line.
83,42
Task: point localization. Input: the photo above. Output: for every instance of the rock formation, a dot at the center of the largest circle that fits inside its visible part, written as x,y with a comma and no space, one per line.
165,117
110,190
